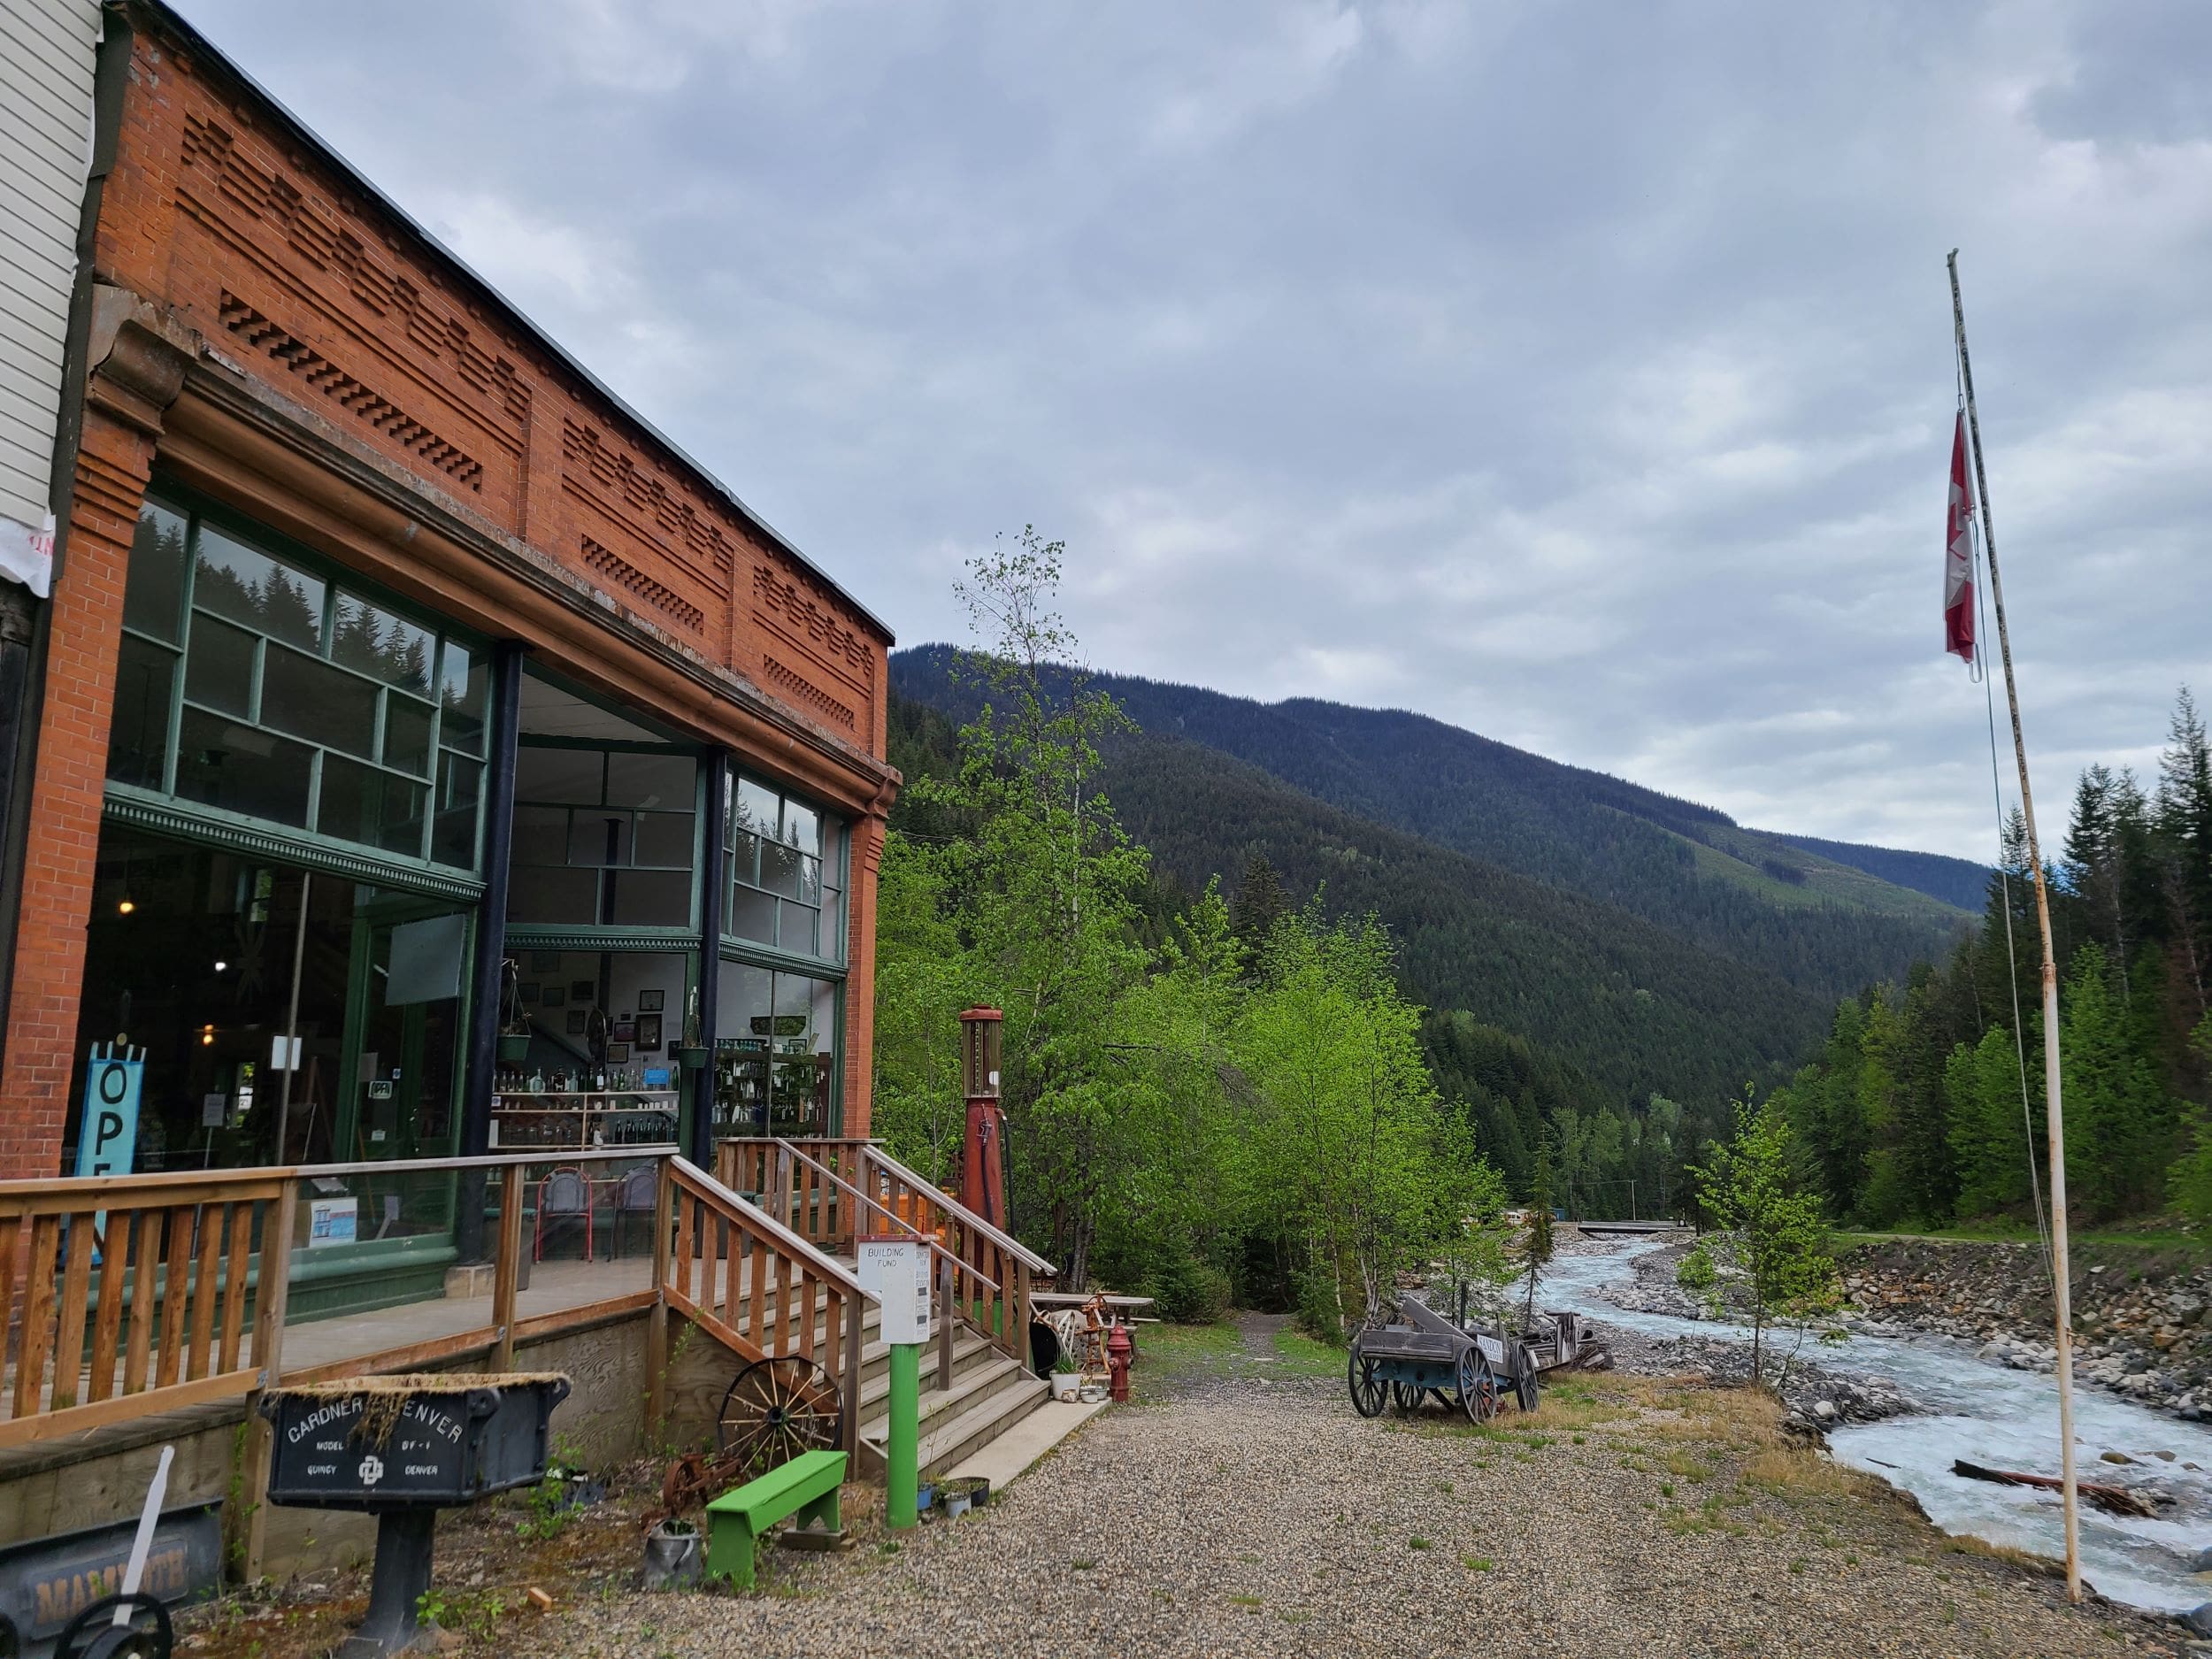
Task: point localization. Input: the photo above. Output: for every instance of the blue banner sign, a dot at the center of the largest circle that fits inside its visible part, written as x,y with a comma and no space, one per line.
107,1142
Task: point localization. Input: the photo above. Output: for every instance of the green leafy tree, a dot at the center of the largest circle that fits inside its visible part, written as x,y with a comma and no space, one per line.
1769,1262
1540,1245
1990,1133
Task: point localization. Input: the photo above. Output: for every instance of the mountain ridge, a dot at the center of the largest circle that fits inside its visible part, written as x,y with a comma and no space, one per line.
1826,925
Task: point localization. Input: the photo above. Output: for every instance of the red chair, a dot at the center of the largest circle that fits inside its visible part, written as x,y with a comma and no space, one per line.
563,1195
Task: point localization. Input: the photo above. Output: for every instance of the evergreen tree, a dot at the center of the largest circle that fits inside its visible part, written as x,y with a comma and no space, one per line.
1540,1230
1991,1139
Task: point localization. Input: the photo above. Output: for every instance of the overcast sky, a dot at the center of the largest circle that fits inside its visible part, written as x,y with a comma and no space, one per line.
1577,373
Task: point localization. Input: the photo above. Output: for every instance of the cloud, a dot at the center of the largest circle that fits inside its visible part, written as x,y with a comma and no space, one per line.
1583,376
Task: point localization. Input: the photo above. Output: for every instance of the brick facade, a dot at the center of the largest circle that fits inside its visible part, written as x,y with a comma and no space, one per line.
340,378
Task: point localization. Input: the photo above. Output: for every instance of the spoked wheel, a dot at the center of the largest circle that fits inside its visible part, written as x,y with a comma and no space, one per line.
1524,1377
1369,1393
93,1633
1477,1387
1407,1397
777,1408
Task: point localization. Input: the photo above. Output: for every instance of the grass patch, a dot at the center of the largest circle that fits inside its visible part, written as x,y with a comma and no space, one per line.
1302,1356
1417,1542
1477,1564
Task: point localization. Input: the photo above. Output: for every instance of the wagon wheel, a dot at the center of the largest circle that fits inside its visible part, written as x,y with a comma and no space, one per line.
1369,1393
1477,1387
1407,1397
93,1634
777,1408
1524,1377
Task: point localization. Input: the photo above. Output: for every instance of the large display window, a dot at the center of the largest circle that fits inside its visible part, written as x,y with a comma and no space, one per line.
253,687
776,1053
284,1015
786,872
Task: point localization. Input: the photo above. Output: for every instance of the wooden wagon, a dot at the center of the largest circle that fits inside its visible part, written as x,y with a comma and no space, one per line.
1472,1371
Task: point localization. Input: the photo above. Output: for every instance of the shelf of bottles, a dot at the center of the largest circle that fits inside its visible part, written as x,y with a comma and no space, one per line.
786,1073
597,1106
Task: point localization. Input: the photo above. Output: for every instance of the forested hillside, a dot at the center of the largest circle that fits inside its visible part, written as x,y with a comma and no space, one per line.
1825,926
1913,1109
1955,881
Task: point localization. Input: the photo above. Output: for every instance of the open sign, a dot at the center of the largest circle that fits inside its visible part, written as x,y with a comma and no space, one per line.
107,1142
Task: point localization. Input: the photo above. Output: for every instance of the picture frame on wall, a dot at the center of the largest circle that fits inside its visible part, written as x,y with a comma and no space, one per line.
545,962
622,1031
618,1053
648,1033
554,997
578,1021
527,990
583,990
651,1001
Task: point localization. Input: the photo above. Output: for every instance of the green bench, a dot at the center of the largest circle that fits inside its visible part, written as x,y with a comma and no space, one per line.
804,1489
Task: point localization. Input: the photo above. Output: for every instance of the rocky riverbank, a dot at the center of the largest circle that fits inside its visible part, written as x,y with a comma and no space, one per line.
1814,1396
2142,1326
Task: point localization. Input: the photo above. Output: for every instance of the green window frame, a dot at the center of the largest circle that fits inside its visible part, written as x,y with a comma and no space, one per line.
788,880
259,685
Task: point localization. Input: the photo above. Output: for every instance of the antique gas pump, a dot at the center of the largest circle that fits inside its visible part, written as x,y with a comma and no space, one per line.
983,1160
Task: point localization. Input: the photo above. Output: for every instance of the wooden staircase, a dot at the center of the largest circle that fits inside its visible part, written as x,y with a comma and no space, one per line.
974,1389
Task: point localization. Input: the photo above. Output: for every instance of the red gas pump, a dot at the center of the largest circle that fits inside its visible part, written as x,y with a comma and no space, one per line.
983,1159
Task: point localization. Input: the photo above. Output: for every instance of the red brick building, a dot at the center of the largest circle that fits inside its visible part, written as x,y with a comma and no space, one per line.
403,687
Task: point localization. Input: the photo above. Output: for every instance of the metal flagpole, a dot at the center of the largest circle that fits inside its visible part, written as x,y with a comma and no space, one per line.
2054,1114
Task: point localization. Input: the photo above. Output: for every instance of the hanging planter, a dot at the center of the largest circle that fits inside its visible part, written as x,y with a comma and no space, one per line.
514,1027
691,1053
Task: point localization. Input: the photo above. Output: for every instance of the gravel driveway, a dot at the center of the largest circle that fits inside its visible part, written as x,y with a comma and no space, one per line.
1246,1511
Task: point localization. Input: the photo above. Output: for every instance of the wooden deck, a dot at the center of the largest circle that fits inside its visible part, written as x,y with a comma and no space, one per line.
324,1346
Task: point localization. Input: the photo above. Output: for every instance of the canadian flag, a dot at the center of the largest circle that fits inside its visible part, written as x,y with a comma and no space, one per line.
1958,555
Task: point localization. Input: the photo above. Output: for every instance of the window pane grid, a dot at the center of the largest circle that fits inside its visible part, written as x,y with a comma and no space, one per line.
785,861
340,661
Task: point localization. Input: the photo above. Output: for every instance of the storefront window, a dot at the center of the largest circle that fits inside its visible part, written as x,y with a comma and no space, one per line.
603,838
787,872
776,1053
250,684
601,1069
190,955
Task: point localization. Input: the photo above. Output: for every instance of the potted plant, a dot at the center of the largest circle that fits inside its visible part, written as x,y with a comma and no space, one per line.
691,1053
1067,1376
514,1025
961,1495
673,1560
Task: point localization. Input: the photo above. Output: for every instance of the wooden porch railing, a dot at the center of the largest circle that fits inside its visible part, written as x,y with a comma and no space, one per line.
127,1296
758,1287
831,1191
133,1294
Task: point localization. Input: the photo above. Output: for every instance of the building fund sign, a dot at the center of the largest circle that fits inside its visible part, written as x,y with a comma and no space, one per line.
107,1140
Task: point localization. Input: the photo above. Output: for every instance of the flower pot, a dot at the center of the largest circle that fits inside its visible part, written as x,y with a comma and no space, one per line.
925,1497
673,1559
692,1058
1092,1393
514,1047
962,1494
1066,1382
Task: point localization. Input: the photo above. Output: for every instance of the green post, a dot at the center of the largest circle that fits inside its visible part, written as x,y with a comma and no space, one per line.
905,1436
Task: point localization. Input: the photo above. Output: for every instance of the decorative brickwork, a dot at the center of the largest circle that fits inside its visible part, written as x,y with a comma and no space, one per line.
612,565
645,491
783,681
349,393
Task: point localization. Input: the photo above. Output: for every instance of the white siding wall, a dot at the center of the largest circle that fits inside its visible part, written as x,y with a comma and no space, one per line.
46,53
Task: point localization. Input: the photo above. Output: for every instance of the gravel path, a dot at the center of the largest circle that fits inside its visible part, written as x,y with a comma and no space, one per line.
1250,1512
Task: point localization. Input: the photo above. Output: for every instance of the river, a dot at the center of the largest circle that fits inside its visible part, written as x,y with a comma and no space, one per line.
1992,1415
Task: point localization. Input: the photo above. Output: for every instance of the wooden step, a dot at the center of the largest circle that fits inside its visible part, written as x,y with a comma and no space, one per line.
940,1406
979,1427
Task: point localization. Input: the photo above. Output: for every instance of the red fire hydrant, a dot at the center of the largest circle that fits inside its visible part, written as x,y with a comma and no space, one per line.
1120,1349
